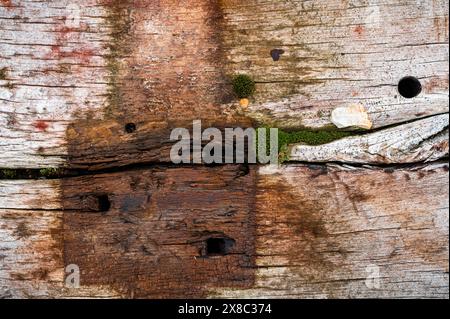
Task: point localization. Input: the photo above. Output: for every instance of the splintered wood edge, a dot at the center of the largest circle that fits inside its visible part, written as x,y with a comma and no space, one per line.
424,140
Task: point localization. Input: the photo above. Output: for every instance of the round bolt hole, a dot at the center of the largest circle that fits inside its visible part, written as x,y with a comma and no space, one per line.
409,87
130,128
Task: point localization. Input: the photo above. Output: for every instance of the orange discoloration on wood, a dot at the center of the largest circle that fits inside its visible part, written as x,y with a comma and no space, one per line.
436,85
317,225
359,30
441,28
6,3
158,82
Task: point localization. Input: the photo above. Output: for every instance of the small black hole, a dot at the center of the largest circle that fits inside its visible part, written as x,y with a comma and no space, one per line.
103,203
276,54
218,246
130,128
244,170
409,87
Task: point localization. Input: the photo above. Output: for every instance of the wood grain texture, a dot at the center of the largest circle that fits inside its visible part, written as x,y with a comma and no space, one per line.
71,87
31,258
299,231
151,241
55,70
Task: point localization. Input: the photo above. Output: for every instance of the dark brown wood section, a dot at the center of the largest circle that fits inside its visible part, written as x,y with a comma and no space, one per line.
162,232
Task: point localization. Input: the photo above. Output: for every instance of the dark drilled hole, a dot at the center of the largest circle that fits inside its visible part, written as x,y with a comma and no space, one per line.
409,87
276,54
103,203
219,246
244,170
130,128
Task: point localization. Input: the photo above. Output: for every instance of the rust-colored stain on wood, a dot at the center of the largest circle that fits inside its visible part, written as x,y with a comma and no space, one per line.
41,125
6,3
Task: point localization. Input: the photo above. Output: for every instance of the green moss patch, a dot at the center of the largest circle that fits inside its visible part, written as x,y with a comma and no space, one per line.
243,86
8,174
310,137
51,172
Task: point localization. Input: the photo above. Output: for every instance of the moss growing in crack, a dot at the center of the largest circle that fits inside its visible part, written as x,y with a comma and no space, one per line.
24,173
7,173
243,86
309,137
50,172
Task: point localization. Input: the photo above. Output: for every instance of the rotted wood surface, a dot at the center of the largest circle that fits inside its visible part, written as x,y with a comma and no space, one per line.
74,73
296,231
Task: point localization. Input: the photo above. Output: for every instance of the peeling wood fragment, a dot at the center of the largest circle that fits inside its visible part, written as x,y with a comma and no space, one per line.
353,116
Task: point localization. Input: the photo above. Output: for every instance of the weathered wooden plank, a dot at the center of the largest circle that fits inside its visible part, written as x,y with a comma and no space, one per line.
101,83
70,86
31,258
26,194
299,231
424,140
